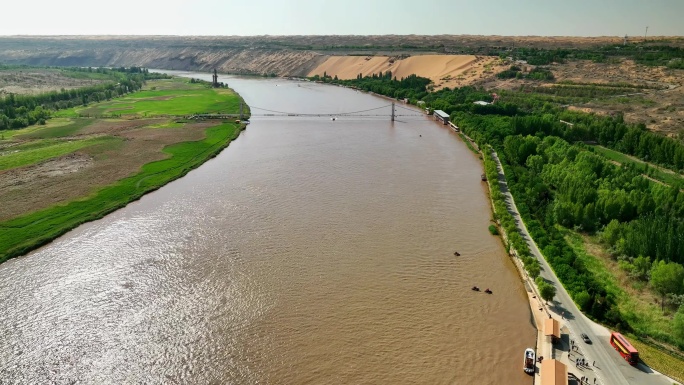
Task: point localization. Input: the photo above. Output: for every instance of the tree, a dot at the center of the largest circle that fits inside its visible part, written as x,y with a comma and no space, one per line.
667,278
546,290
612,232
583,300
678,324
642,265
533,269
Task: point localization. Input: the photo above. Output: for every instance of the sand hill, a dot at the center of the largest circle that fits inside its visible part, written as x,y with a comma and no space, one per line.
444,70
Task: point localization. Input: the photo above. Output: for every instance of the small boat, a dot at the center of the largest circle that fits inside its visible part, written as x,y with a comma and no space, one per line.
484,177
475,288
456,253
488,291
528,361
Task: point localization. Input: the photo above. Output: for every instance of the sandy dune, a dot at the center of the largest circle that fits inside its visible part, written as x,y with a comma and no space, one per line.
444,70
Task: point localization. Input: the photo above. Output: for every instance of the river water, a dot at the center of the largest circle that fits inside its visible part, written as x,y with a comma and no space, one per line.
310,251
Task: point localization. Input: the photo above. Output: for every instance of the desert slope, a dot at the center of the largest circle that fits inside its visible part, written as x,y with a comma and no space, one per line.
443,70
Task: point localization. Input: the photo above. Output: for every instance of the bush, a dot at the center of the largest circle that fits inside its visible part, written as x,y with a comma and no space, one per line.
493,230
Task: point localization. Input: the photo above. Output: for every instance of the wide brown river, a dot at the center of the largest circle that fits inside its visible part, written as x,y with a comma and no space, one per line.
310,251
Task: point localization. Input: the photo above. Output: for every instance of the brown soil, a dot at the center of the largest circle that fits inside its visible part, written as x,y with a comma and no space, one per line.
660,109
659,105
79,174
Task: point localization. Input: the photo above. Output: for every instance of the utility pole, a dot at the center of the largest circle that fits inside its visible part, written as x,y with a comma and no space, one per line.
646,33
393,111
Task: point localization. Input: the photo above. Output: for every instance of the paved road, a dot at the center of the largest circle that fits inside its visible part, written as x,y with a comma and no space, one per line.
610,368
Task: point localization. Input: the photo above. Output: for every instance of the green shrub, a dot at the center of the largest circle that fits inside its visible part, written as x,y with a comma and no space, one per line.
493,230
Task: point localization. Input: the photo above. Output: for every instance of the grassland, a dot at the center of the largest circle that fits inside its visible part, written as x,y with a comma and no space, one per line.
32,153
669,364
74,170
146,103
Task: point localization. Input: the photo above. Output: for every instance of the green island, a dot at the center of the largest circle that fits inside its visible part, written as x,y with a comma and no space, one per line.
127,136
602,198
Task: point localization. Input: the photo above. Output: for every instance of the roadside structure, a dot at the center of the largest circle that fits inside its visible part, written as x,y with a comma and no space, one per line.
552,330
553,373
441,116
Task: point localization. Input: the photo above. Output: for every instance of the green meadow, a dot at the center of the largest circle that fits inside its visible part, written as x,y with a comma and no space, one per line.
179,97
32,153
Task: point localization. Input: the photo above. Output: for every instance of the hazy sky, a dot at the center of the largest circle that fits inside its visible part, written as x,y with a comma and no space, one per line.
343,17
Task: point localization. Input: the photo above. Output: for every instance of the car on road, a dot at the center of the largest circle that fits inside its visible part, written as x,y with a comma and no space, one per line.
585,338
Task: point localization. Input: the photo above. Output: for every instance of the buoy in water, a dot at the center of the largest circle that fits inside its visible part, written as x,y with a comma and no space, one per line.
333,119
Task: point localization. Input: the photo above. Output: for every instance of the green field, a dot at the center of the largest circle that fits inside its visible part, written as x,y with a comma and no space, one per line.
65,135
193,98
57,128
655,171
36,152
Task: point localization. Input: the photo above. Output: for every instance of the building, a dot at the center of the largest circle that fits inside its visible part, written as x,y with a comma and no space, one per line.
441,116
553,373
552,329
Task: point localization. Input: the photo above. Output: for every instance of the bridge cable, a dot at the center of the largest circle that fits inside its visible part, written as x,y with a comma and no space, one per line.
312,114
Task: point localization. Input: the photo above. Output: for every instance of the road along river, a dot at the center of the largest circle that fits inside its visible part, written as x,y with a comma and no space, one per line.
309,251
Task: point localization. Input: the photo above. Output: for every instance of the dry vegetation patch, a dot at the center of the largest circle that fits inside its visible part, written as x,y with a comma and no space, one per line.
31,81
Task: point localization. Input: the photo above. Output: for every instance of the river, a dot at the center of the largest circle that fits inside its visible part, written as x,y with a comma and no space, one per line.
309,251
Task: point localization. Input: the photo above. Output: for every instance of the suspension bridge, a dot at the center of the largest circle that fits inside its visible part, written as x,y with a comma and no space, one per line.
368,113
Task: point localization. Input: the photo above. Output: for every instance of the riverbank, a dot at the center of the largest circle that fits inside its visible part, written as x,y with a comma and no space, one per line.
538,310
76,169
